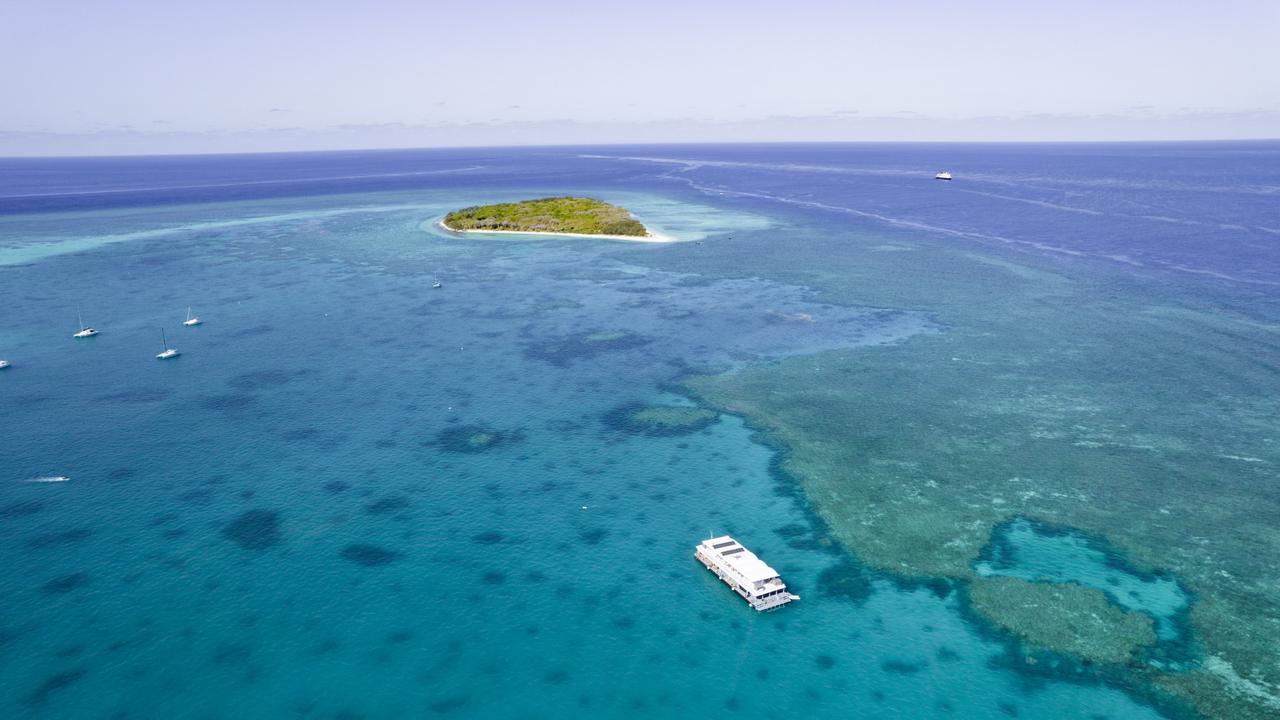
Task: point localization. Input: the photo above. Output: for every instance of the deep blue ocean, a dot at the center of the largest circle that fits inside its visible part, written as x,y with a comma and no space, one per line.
281,524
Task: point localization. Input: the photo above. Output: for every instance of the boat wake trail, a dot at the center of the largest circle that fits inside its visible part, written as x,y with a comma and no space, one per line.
681,174
47,479
243,183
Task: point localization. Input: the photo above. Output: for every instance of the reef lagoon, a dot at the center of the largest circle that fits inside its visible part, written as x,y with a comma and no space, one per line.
1012,438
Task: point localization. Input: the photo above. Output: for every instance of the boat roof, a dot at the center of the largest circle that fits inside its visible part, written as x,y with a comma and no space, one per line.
740,559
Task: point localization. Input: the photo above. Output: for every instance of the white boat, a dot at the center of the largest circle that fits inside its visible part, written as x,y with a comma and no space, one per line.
944,175
741,570
168,352
4,364
436,285
191,319
48,479
84,331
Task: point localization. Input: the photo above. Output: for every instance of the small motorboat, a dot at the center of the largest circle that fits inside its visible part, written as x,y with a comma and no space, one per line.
168,352
4,364
191,319
944,175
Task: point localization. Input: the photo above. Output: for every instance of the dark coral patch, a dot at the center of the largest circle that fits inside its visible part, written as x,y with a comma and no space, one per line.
489,537
448,704
263,379
556,677
336,486
386,505
472,438
845,580
227,403
198,497
54,683
582,346
493,577
826,662
66,583
301,434
232,653
254,529
370,555
7,636
899,667
593,536
62,537
21,509
659,420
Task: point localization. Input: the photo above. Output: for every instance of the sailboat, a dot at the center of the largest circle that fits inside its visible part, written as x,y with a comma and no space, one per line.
437,285
168,352
191,319
84,331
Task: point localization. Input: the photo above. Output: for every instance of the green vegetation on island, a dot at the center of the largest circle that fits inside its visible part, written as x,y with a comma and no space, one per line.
582,216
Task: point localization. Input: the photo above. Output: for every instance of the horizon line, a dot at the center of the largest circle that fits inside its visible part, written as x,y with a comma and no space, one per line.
1198,141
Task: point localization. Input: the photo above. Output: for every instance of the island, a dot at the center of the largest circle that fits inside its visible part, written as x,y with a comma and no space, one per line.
574,216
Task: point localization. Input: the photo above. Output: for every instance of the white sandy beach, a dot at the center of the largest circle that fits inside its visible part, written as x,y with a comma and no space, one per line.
652,237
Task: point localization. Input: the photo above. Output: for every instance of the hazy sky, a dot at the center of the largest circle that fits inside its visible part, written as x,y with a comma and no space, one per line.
172,76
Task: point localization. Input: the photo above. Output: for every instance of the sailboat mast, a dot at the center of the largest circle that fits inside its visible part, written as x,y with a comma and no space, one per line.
79,319
164,341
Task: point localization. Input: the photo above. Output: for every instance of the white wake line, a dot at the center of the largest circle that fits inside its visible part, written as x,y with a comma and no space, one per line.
1010,180
245,183
965,234
791,167
1030,201
66,245
1128,216
897,222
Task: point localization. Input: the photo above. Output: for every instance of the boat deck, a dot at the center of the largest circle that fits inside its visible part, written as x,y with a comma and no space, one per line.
747,574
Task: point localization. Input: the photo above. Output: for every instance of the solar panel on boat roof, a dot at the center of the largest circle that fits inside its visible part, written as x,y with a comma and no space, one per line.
725,544
734,551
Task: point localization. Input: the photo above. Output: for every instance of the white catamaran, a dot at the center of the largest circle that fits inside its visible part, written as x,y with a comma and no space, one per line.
84,331
191,319
167,352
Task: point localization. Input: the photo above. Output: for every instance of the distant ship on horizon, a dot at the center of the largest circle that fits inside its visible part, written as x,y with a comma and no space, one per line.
944,175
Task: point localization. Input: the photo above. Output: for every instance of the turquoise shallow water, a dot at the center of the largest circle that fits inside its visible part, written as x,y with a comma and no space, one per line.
275,525
1025,551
